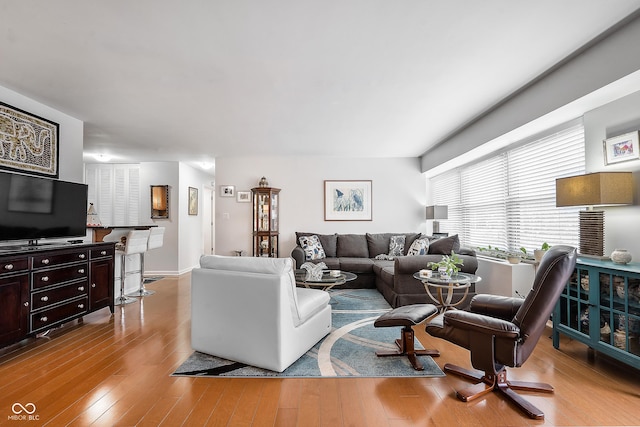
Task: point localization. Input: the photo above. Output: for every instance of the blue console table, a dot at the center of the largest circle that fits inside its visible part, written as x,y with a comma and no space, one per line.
600,307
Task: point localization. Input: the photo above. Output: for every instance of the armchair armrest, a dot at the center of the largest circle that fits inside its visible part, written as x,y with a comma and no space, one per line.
496,306
479,323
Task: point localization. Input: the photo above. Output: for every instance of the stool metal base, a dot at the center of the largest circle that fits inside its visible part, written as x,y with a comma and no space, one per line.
141,293
123,300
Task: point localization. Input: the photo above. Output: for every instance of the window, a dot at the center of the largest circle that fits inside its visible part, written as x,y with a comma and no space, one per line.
508,200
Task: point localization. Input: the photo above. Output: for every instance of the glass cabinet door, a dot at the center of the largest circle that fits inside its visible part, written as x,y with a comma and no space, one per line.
620,312
574,302
265,221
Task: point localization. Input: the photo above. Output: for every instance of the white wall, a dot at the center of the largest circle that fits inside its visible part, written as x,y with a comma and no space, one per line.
622,224
183,238
192,227
70,137
163,261
397,185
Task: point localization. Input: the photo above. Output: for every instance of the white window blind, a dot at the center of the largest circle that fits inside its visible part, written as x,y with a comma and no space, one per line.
508,200
115,192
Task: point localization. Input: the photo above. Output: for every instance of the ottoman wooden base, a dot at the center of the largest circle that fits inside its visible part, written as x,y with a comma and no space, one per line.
407,316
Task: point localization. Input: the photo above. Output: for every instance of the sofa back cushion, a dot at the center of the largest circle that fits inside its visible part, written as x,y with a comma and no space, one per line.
378,243
445,245
329,242
353,246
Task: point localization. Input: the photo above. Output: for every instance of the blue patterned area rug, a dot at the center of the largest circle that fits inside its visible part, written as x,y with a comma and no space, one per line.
348,351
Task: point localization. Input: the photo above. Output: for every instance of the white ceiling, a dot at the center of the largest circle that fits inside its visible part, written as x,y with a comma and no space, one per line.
194,80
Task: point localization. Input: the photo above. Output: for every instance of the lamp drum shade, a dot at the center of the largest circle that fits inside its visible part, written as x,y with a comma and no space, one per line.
595,189
437,212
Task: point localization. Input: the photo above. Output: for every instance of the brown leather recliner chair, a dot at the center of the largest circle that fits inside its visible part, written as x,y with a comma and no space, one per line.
503,331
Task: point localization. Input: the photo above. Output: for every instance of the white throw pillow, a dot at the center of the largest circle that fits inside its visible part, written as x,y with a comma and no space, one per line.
312,247
419,247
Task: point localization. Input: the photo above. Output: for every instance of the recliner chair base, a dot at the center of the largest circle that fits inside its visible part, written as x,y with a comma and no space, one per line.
498,382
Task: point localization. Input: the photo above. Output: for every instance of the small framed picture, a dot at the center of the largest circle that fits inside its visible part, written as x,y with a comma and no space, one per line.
243,196
621,148
227,191
193,201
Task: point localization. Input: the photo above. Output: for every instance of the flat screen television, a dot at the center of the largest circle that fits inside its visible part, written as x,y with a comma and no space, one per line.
33,208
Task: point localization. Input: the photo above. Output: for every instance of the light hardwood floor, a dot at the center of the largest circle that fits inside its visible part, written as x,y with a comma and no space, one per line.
114,370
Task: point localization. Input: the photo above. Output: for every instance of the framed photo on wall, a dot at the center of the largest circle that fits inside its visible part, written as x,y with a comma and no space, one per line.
193,201
243,196
621,148
227,191
347,200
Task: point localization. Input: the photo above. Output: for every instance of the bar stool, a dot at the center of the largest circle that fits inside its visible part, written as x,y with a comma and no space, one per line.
135,243
156,240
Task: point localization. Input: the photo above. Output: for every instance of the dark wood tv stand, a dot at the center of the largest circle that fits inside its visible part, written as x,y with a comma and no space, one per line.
44,287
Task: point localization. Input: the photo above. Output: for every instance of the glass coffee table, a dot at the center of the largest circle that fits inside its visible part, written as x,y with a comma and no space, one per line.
444,288
326,282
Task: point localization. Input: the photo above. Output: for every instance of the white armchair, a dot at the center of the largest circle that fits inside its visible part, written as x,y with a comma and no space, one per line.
249,310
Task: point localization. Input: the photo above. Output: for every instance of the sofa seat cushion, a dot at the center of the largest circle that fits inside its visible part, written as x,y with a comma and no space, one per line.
379,264
386,274
311,302
352,246
329,242
356,265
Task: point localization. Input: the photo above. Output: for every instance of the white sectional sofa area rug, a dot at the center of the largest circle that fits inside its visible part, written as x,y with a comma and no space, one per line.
348,351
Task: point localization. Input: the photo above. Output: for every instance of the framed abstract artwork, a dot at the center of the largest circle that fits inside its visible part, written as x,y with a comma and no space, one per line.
621,148
28,143
193,201
347,200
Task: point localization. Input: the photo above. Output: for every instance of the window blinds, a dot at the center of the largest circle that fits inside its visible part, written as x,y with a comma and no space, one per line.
508,200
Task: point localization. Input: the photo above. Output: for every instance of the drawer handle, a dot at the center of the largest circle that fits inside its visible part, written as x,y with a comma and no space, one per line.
81,271
44,298
8,267
81,288
103,252
80,305
45,278
26,304
93,285
81,256
45,261
44,318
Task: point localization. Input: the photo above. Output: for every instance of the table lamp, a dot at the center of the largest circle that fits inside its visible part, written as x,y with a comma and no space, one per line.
437,212
594,189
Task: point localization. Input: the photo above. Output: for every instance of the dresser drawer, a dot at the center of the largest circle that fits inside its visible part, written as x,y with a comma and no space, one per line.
52,259
70,310
102,252
55,276
15,265
54,296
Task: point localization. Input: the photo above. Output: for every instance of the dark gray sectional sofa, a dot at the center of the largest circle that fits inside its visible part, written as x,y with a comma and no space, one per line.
393,278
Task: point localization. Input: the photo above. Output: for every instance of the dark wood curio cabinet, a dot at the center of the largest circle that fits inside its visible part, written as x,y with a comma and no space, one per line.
266,204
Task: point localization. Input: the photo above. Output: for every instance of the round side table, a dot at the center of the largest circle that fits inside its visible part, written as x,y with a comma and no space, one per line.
445,287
